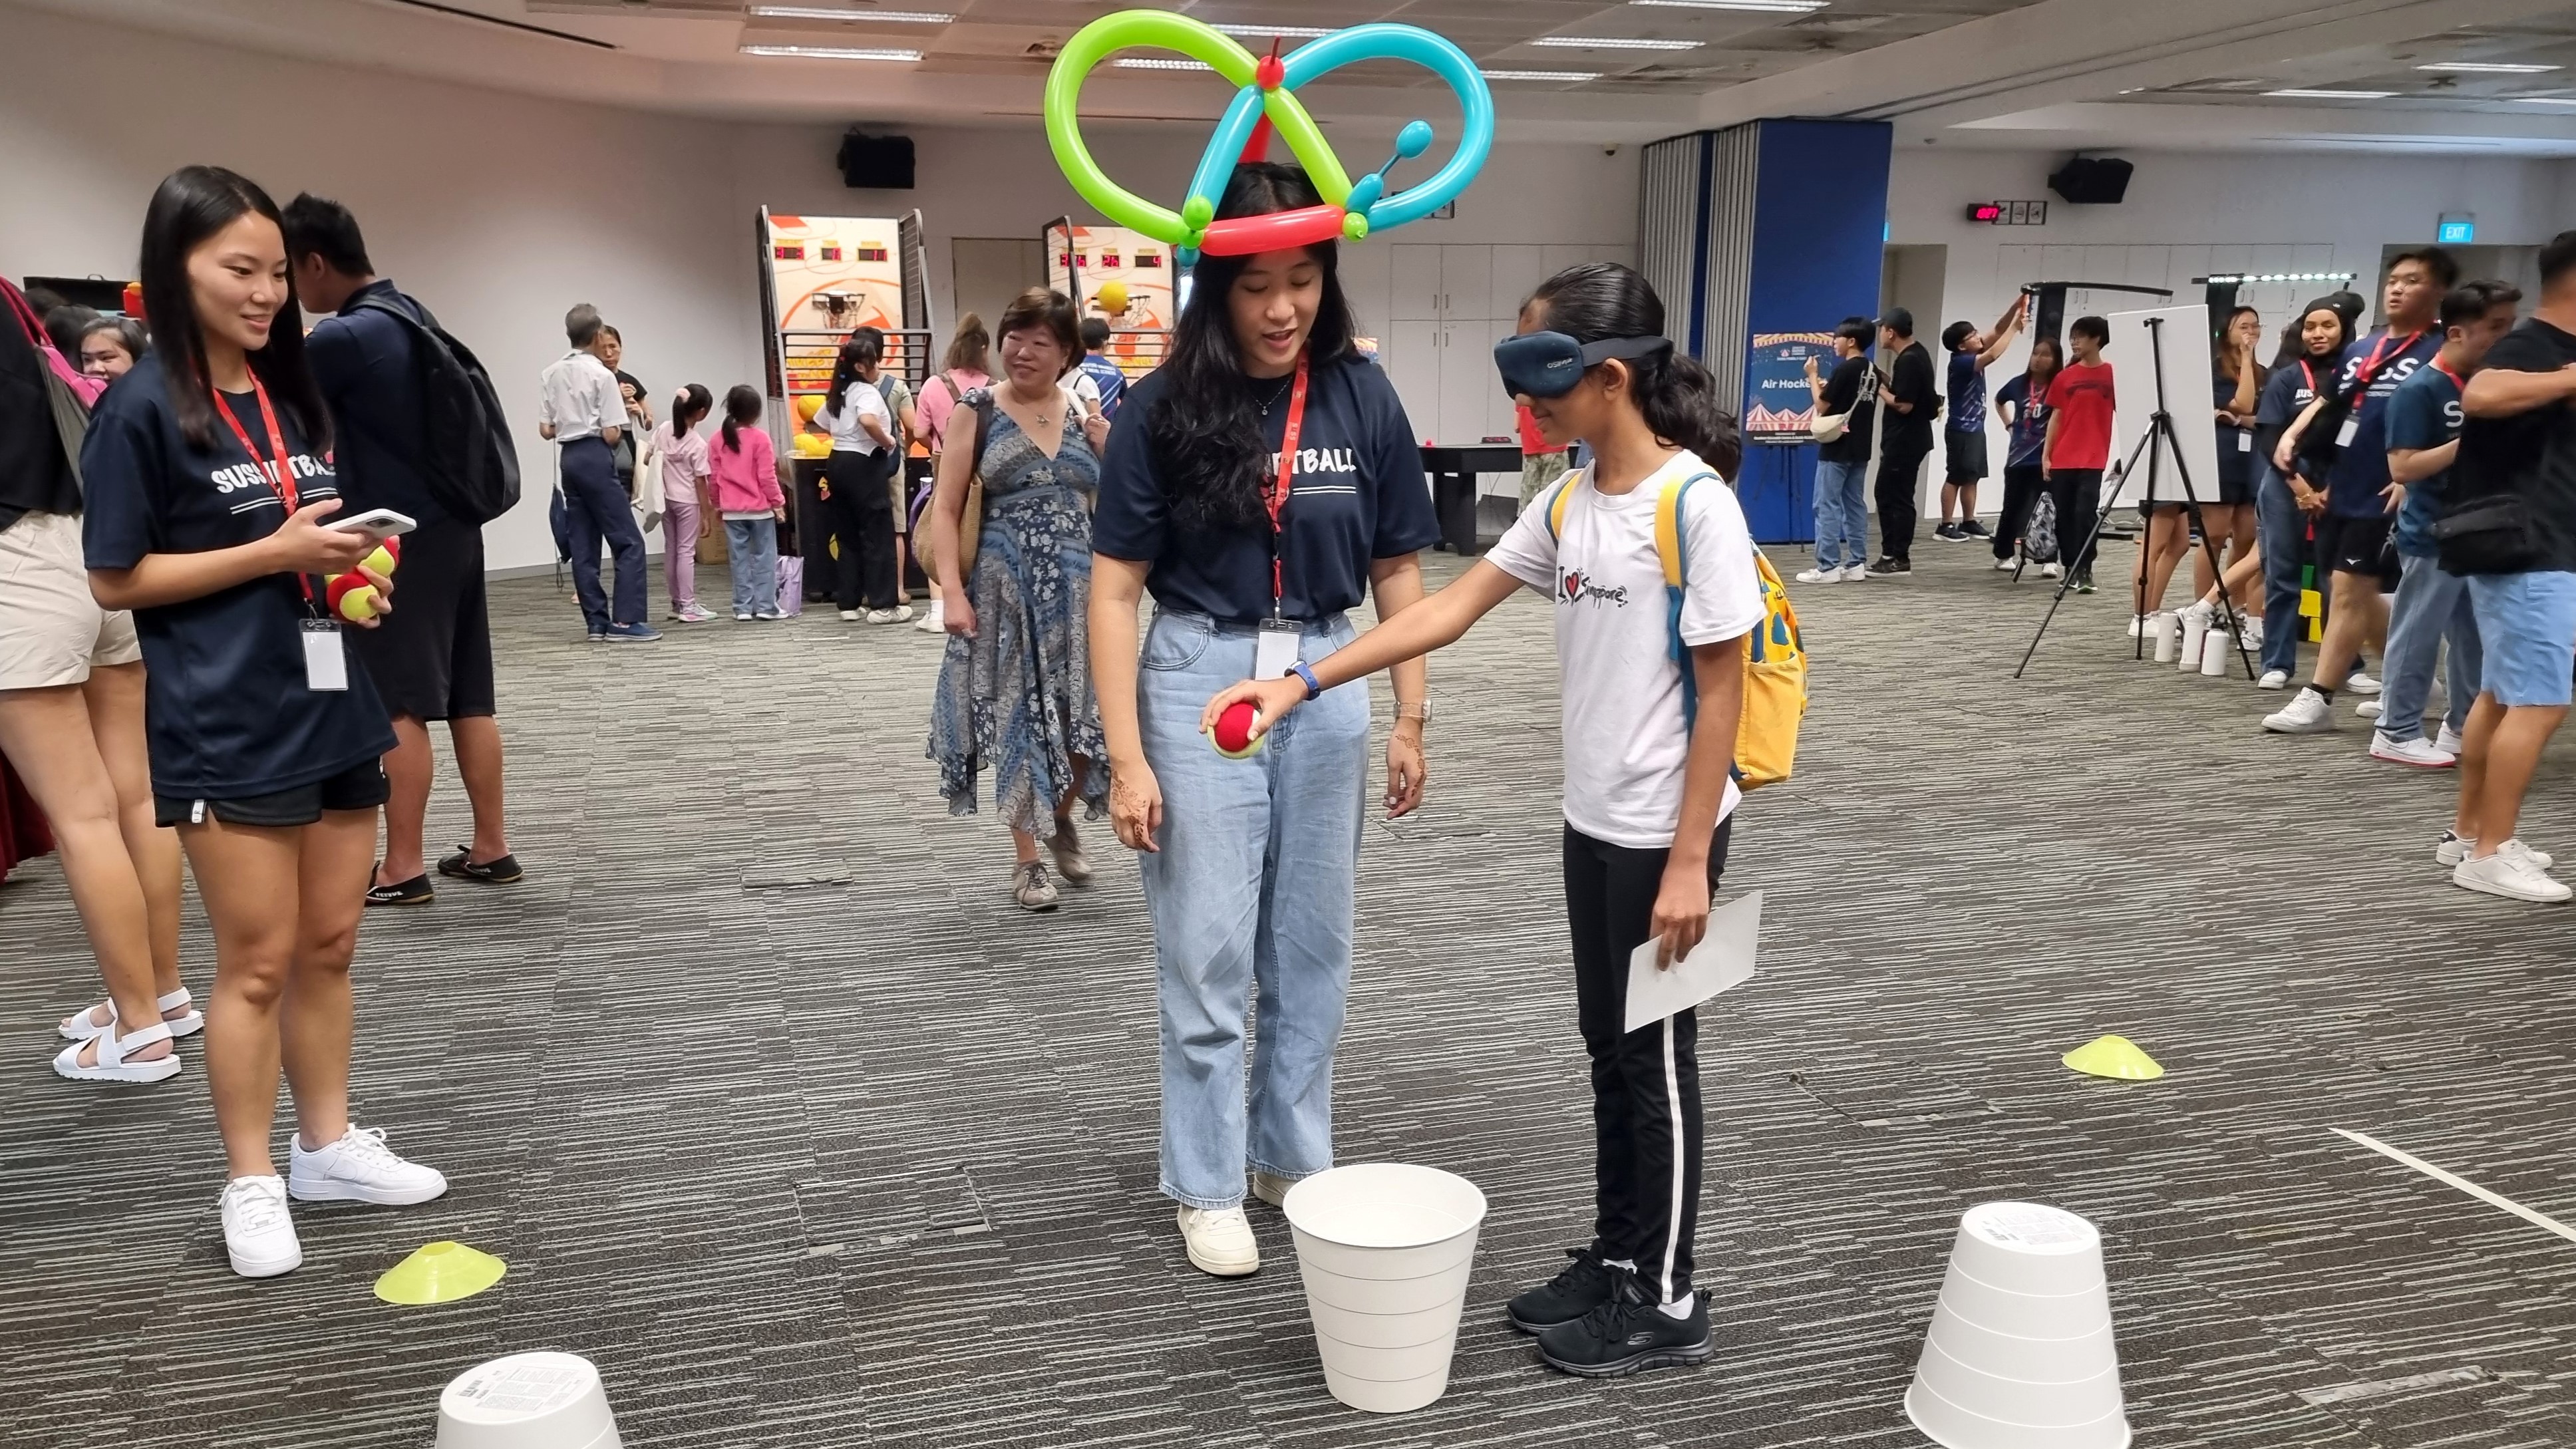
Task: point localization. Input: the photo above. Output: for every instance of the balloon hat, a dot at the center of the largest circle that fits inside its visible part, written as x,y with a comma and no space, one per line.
1266,104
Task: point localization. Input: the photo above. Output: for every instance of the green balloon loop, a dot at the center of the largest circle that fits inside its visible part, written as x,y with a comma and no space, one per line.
1197,212
1159,30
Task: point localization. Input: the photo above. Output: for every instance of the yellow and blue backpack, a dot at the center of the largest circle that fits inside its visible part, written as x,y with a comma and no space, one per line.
1775,664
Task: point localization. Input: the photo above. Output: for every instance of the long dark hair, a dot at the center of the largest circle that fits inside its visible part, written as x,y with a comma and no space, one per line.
742,409
1205,429
2056,363
864,349
192,204
2218,348
688,405
1600,300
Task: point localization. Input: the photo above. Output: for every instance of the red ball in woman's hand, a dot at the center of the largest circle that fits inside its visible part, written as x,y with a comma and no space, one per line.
1233,732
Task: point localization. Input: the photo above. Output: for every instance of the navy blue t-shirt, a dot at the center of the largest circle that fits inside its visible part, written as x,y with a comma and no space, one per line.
2027,433
1357,495
2361,471
226,709
2425,413
362,360
1967,394
2235,444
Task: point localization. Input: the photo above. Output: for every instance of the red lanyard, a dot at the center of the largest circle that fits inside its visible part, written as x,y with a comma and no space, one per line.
2370,370
279,471
1278,492
2457,380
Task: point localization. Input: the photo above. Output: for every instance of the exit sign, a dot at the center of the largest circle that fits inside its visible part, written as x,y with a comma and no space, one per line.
2009,213
2457,229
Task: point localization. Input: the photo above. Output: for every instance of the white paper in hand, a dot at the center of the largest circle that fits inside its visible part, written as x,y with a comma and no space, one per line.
1723,958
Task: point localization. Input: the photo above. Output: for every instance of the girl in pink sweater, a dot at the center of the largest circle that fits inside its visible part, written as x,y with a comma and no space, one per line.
743,480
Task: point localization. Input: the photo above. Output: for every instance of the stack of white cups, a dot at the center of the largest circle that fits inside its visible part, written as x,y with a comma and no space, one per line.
2019,1355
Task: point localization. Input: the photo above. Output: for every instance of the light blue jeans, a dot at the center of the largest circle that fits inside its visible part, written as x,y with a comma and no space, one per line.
1842,514
1252,897
2431,606
751,547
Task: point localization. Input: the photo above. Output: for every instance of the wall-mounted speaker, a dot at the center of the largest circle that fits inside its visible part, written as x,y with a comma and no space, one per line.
2092,180
876,163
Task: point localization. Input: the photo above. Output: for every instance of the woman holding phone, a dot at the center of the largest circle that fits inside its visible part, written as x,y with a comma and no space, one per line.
209,515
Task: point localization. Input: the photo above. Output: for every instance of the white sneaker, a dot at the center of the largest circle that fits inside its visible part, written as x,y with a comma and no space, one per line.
901,614
849,616
2360,683
2450,742
2307,713
1820,576
258,1235
2051,571
360,1168
2367,709
2138,624
933,620
2006,565
2456,848
1855,573
2511,876
1271,1188
2250,627
1220,1241
2273,679
2419,752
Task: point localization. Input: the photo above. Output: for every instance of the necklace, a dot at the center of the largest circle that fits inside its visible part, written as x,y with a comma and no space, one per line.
1278,393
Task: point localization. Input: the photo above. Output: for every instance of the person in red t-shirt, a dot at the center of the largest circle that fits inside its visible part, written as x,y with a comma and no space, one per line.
2078,446
1541,464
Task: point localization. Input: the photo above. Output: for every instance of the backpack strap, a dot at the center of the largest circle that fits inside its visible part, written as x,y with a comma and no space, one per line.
1556,502
1672,547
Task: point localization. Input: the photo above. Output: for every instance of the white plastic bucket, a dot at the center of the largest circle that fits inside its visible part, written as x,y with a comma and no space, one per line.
2019,1354
527,1401
1385,1250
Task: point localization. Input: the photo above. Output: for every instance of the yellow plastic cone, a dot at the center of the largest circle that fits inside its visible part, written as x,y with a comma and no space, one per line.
440,1273
2113,1056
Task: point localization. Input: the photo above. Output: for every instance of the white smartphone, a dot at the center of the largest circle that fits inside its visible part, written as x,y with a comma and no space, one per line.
377,523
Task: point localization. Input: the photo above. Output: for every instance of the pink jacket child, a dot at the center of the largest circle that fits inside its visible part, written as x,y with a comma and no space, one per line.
744,478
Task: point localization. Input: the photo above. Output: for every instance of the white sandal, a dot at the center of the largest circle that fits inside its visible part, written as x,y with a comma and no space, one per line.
113,1052
80,1026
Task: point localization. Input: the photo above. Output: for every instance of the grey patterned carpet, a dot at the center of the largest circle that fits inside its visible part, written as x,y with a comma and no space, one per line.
783,1114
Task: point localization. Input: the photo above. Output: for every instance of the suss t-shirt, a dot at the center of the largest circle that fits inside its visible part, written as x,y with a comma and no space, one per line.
2084,400
1356,495
227,709
2029,426
1625,742
2425,413
2360,471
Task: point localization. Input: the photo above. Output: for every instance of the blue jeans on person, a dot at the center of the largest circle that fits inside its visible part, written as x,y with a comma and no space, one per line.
2431,606
1252,894
596,510
2283,528
751,550
1842,514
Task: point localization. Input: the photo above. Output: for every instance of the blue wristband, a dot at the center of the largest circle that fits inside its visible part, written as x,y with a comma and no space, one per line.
1313,686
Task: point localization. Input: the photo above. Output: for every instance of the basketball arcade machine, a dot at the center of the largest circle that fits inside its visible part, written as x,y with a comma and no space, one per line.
1124,277
822,278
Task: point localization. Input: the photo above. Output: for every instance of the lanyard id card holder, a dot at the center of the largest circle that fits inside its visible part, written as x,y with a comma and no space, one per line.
1281,639
326,662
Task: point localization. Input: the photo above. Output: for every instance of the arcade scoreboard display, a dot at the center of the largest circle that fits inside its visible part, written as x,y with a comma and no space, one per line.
822,276
1124,277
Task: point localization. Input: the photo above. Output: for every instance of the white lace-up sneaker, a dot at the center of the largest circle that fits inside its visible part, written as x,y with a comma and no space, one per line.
2456,848
2307,713
2419,752
1220,1241
1821,575
2449,742
360,1168
259,1237
2512,876
2273,679
1855,573
2360,683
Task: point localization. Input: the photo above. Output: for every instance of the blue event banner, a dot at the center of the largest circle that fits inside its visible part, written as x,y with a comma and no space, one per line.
1778,405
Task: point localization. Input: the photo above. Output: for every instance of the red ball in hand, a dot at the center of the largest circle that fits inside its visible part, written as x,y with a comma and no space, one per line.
1233,732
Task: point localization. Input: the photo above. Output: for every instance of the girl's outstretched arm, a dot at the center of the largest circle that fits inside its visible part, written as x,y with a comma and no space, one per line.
1437,621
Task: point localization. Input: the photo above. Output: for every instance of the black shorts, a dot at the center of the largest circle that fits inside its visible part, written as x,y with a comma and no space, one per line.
431,658
359,787
1967,457
2358,546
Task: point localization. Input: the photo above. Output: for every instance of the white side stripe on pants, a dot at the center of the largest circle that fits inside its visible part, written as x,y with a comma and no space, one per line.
1673,1216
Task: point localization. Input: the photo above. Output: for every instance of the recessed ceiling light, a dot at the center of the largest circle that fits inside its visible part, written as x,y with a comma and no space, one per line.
1768,7
1153,62
2304,94
1264,32
1611,42
2547,100
833,52
821,12
1540,75
2490,67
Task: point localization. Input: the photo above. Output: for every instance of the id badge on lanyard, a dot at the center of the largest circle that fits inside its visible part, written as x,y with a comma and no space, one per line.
1281,638
326,663
2369,374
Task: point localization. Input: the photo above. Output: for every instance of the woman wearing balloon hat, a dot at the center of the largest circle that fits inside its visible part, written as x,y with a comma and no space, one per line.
1265,483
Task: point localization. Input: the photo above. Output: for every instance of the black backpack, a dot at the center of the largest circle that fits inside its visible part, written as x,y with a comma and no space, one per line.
471,465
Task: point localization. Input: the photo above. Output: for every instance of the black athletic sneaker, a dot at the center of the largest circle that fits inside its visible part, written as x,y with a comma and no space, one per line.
500,870
413,892
2083,581
1887,566
1950,533
1628,1334
1973,529
1566,1297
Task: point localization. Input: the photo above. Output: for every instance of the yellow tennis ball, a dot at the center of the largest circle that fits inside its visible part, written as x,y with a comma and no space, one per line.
382,561
359,604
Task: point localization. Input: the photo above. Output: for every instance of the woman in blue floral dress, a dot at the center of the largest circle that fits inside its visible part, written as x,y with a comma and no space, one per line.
1015,690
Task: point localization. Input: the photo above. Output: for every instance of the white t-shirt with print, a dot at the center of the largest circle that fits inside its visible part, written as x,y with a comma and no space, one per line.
1625,743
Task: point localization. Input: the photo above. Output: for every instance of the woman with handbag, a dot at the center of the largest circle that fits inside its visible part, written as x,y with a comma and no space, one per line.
1010,524
71,720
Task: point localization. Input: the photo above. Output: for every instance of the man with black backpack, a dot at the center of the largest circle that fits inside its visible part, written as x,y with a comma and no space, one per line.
417,431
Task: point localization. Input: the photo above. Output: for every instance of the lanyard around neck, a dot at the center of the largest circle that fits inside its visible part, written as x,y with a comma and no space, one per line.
278,470
1276,496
